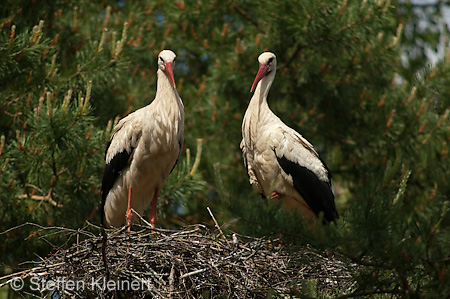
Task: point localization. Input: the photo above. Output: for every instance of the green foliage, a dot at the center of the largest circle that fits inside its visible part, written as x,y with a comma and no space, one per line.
425,34
382,129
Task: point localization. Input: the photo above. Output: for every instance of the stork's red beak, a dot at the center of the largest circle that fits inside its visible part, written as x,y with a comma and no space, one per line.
263,70
169,72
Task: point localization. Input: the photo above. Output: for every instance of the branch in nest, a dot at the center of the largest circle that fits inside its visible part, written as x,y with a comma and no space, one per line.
217,225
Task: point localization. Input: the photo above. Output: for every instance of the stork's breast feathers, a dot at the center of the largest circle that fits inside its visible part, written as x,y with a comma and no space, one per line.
166,127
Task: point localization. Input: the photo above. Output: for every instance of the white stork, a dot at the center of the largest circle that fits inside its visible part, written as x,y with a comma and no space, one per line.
143,150
280,162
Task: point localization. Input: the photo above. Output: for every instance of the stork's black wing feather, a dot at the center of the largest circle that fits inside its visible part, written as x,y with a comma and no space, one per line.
112,172
316,193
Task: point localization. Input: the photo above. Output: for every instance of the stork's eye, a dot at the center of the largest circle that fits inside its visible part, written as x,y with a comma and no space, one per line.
270,60
162,60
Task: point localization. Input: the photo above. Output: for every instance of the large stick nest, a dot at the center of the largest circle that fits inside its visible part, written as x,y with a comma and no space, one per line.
189,263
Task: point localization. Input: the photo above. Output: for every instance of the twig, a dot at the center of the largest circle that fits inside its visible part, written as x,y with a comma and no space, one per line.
217,224
142,218
104,244
28,271
44,228
192,273
172,279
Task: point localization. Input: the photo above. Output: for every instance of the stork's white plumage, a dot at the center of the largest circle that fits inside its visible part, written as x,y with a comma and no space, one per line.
143,150
280,160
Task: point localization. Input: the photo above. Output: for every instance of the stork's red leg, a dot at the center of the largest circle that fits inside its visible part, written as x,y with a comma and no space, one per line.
153,210
129,214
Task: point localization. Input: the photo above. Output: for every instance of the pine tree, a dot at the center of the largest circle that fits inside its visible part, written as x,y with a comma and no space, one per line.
67,71
51,149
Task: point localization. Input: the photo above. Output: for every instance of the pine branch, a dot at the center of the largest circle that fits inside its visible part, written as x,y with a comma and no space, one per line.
47,198
247,16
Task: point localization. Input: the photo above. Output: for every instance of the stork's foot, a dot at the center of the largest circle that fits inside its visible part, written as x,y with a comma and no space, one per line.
152,218
153,221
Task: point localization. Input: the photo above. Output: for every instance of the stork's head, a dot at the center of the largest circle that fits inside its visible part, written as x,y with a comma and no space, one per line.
267,64
166,59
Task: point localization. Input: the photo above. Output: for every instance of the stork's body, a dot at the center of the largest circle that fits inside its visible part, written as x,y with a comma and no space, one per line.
143,150
279,161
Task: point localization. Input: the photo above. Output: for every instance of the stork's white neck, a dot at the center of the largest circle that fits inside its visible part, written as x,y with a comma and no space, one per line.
259,98
164,88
